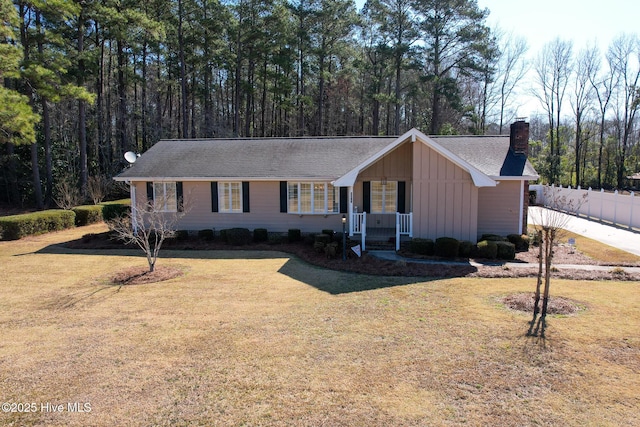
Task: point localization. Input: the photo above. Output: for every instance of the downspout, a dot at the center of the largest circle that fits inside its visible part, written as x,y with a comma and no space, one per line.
521,216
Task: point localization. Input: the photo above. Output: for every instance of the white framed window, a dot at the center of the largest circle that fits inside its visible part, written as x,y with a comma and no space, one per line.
165,197
230,197
384,197
312,198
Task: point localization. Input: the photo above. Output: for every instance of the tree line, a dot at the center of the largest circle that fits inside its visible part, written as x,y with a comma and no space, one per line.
84,81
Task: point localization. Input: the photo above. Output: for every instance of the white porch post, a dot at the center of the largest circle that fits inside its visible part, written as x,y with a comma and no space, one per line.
134,208
350,210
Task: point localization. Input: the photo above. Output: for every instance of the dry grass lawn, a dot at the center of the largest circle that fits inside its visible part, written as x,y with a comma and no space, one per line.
260,338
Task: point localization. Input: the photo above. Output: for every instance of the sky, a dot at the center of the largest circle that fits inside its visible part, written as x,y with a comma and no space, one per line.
584,22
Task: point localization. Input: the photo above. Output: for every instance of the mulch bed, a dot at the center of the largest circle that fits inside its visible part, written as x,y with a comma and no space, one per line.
556,305
368,264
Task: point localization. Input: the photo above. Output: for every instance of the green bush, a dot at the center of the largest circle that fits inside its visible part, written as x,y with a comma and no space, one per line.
505,250
329,233
181,235
493,238
15,227
294,235
421,246
487,249
521,241
238,236
446,247
260,235
112,211
206,234
323,238
466,249
319,247
88,214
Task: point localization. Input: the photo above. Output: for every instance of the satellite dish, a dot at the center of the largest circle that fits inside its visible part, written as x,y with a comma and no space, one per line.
131,157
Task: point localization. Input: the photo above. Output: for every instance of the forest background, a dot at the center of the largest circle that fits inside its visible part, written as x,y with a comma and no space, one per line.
84,81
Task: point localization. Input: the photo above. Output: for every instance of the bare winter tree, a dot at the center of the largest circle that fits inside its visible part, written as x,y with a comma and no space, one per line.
587,63
550,224
553,68
624,57
511,68
148,226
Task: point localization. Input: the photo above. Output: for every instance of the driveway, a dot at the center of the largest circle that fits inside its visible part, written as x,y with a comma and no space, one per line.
613,236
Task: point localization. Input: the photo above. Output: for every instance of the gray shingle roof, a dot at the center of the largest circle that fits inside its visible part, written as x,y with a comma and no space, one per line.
489,154
313,157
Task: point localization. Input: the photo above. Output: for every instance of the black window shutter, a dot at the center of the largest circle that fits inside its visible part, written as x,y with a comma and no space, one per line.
344,199
283,196
180,197
402,197
214,196
366,196
150,191
245,196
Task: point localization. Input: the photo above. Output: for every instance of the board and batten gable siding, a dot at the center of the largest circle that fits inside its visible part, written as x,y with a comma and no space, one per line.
499,209
264,210
396,166
445,199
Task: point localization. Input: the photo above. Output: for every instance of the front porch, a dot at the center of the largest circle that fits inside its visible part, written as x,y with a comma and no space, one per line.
381,228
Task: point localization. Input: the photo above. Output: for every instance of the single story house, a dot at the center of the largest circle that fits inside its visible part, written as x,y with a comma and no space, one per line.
414,185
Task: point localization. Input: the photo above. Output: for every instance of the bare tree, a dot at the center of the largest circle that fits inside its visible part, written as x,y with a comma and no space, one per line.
148,227
550,224
624,54
603,84
587,64
67,193
98,188
511,68
553,68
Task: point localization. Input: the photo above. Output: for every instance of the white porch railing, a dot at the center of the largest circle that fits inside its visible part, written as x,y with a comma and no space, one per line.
404,226
358,225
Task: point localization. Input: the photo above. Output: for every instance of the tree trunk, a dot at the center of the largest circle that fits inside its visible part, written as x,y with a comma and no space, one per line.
82,110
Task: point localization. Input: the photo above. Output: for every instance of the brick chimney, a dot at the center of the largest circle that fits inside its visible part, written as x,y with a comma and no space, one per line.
519,137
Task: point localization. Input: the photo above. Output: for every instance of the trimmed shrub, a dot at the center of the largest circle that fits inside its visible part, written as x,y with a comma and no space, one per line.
505,250
238,236
446,247
329,233
112,211
421,246
521,241
15,227
493,238
206,234
487,249
332,250
466,249
323,238
260,235
278,238
319,247
181,235
294,235
88,214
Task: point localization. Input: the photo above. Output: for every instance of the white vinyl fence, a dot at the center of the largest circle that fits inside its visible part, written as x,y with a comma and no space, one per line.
622,210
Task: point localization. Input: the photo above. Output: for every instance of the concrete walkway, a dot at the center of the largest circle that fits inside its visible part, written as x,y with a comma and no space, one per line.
612,236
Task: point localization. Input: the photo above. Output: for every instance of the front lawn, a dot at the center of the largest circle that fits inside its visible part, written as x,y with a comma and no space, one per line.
262,338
